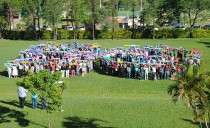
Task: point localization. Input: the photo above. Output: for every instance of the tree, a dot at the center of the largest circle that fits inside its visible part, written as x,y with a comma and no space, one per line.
134,6
76,11
194,88
93,6
150,12
111,5
52,12
32,8
44,84
192,8
169,11
8,7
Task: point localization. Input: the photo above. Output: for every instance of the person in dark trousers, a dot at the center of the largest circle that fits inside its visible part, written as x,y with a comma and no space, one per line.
34,100
43,103
22,96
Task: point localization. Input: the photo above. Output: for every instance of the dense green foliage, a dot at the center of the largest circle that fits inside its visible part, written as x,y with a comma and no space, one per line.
107,34
194,88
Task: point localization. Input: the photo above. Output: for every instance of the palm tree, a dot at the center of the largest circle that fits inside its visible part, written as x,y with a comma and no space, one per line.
194,88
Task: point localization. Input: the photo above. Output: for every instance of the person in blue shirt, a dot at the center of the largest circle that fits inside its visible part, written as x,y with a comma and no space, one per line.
34,100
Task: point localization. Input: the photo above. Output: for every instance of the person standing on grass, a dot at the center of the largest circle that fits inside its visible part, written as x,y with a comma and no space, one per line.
34,100
146,71
63,68
128,71
22,96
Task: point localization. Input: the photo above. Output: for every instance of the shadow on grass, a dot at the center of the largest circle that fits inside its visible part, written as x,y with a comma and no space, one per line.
206,43
6,115
15,103
77,122
4,73
195,123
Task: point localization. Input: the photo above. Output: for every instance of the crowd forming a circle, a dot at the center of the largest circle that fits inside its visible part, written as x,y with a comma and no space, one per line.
156,62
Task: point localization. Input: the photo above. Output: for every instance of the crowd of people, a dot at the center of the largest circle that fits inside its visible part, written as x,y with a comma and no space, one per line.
70,58
158,62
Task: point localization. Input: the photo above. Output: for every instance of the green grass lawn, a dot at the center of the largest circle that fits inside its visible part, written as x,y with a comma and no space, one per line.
100,101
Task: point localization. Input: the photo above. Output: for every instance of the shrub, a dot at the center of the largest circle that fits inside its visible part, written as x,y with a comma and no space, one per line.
201,33
63,34
163,33
45,34
180,33
147,33
84,34
29,35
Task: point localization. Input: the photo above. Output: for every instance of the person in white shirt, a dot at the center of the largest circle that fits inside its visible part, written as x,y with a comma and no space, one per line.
22,96
146,71
14,71
9,70
154,72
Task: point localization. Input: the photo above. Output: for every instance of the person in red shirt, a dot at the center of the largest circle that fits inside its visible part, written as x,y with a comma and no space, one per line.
166,71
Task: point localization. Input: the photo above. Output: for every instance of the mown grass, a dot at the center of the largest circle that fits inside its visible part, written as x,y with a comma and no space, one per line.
98,100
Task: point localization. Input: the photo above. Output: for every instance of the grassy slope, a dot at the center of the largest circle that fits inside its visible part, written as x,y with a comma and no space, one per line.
98,100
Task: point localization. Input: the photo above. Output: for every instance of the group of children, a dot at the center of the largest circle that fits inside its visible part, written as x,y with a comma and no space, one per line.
71,59
156,62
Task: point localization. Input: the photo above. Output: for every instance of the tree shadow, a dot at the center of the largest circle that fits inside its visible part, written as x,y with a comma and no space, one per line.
195,123
6,115
205,42
77,122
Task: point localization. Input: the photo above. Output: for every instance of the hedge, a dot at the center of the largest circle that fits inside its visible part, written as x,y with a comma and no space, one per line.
106,34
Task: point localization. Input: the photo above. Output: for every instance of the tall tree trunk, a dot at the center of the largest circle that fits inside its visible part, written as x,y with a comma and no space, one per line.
113,19
49,121
93,16
74,29
67,20
34,23
54,29
10,17
133,10
191,32
206,121
113,24
93,28
39,31
196,109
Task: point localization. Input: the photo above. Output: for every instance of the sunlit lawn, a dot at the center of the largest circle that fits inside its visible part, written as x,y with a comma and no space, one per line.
97,100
